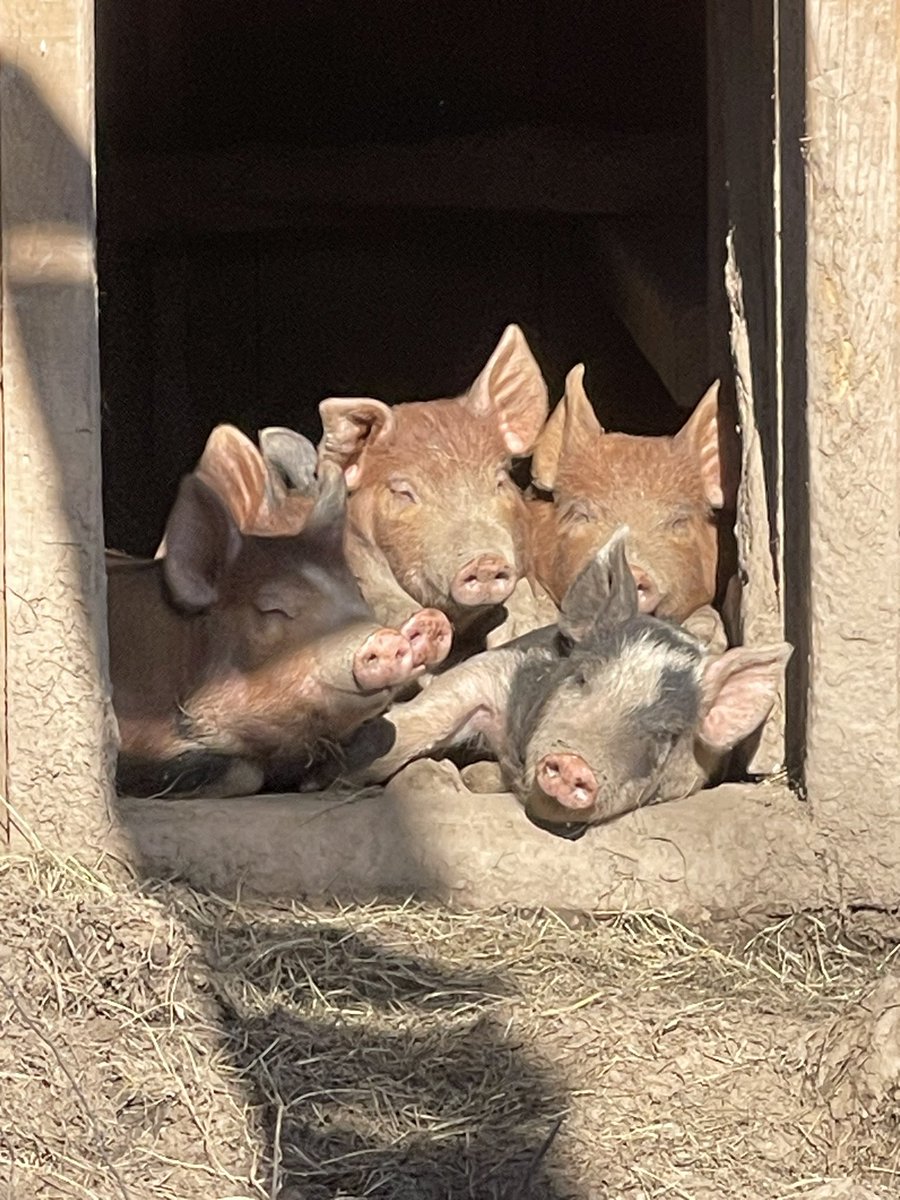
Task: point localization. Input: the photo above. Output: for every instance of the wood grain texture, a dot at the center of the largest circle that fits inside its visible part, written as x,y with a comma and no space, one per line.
853,741
761,622
58,718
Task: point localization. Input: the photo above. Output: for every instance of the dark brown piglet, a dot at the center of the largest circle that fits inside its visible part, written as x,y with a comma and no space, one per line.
236,650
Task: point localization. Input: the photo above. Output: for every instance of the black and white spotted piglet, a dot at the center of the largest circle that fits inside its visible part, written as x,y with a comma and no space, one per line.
599,714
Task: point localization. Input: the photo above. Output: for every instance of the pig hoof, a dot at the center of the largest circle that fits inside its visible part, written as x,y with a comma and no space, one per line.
484,778
385,659
429,634
488,579
240,779
567,779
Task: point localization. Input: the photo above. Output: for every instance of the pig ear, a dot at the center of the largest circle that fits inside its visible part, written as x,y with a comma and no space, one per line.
292,456
512,388
202,541
349,426
573,420
233,467
738,691
603,595
545,460
700,437
329,511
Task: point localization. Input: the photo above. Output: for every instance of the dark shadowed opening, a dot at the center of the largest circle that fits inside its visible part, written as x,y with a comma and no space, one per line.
310,199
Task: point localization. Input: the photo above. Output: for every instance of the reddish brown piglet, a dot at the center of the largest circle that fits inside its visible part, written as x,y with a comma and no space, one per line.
435,519
665,489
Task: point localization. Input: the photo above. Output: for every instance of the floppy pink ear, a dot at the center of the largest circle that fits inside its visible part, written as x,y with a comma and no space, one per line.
350,425
512,388
739,689
202,541
234,468
700,436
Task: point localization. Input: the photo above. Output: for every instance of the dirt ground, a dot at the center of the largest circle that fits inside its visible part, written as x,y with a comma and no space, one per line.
160,1043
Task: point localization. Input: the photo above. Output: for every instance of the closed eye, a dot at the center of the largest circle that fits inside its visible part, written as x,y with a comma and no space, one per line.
678,522
403,491
577,513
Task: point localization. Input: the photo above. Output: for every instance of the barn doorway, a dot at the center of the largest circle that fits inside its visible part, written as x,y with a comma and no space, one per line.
314,199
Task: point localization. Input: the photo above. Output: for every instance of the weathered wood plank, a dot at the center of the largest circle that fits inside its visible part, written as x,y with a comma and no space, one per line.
853,357
526,169
652,274
744,330
58,715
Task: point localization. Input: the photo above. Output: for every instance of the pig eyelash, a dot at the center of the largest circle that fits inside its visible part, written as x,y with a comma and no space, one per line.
402,491
678,524
577,514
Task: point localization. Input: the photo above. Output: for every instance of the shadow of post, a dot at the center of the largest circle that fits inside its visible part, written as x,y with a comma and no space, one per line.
373,1071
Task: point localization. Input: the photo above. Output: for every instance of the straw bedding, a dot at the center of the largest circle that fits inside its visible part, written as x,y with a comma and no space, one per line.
161,1043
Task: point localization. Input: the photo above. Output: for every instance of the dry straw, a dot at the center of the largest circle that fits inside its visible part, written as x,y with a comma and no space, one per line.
158,1042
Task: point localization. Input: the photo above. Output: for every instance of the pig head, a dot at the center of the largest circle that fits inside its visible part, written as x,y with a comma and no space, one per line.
666,489
436,519
636,711
235,648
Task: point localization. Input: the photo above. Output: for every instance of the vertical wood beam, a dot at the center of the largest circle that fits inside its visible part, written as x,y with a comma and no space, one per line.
59,727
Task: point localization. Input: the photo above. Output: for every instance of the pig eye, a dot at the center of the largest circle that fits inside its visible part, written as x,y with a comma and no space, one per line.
679,524
402,491
577,514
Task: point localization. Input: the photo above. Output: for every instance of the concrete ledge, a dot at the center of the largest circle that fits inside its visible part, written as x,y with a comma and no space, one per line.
728,851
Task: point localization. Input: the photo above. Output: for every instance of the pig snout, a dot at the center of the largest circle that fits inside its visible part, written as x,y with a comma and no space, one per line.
648,592
429,633
385,659
487,579
567,779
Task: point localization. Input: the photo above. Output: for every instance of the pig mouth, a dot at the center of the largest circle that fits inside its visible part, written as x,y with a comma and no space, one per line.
570,830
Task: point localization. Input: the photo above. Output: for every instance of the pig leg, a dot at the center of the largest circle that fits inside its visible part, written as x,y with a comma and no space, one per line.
192,773
468,701
528,608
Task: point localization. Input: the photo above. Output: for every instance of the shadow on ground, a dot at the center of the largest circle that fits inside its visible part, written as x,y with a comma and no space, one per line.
375,1073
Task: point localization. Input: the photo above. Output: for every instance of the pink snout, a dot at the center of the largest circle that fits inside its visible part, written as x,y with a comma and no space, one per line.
429,634
648,592
385,659
487,579
567,779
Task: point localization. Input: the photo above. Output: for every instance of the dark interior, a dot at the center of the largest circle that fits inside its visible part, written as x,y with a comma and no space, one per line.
304,198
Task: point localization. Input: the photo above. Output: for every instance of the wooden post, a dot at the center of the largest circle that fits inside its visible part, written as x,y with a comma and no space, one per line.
853,359
58,722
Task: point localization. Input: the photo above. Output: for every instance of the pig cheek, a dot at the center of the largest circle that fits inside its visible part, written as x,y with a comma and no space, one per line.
400,531
680,774
577,545
692,573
